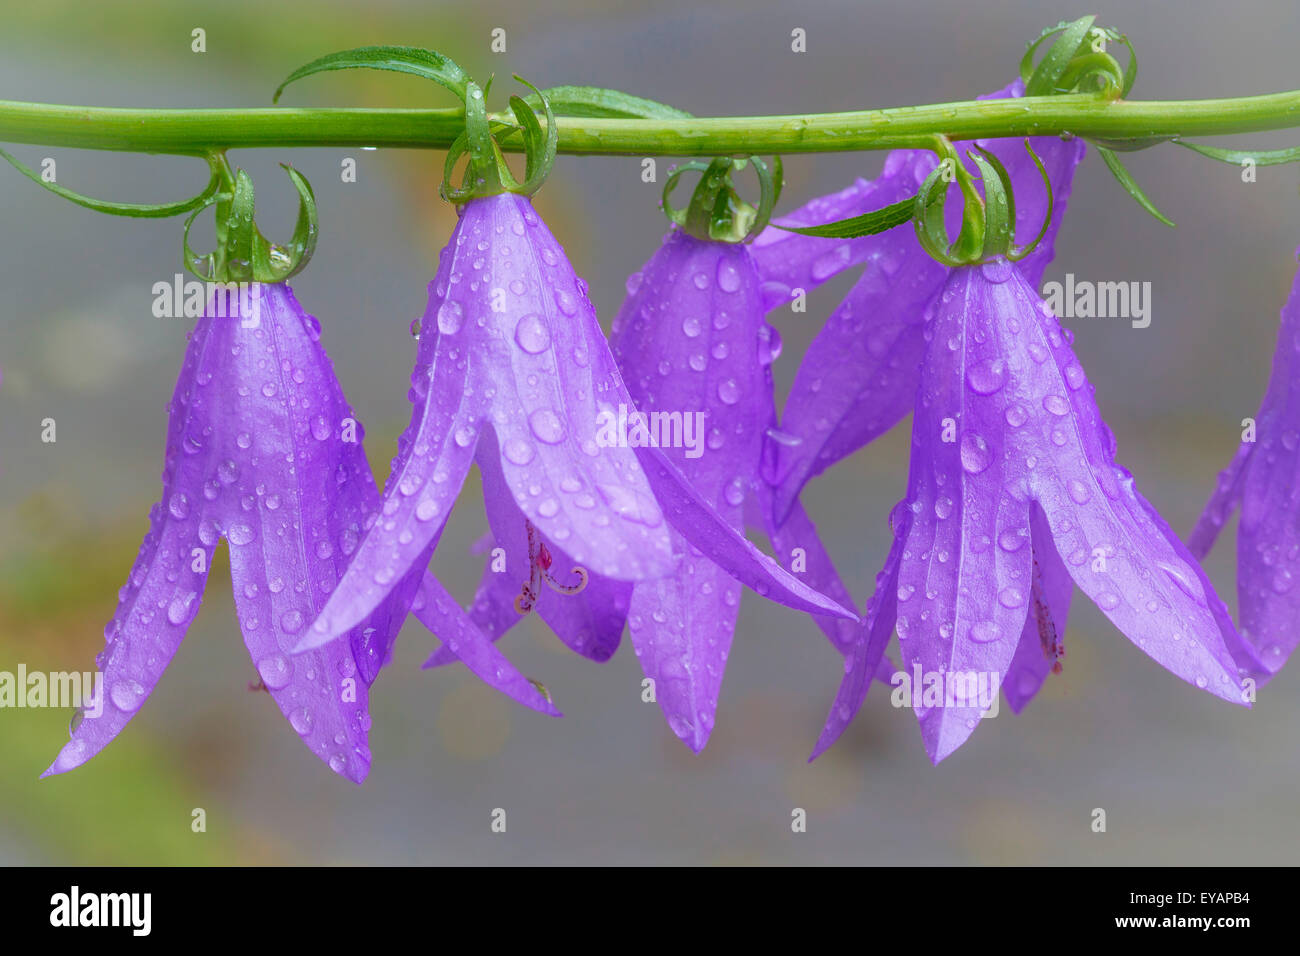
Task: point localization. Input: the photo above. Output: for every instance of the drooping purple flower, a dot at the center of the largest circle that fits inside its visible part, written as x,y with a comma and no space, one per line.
513,369
696,353
859,375
1261,480
1014,493
693,345
264,451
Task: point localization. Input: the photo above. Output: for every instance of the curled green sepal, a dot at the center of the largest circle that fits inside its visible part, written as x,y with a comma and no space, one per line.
716,211
988,221
133,210
242,253
487,173
1077,61
1003,179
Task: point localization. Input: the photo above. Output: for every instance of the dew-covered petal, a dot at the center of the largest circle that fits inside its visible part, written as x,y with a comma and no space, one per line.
1224,500
1117,549
701,525
434,456
296,495
163,592
540,358
589,622
788,261
257,454
858,377
1263,479
797,539
1045,626
965,577
866,658
155,608
441,614
681,626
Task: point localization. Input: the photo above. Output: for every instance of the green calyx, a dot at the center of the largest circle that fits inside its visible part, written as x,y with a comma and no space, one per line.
242,253
988,221
716,213
487,173
1078,61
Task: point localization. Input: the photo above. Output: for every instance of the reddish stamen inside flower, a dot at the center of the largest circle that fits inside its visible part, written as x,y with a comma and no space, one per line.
539,571
1048,637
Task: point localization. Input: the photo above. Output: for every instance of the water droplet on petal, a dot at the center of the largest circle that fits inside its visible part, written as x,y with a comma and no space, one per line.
546,426
450,317
127,695
1056,404
975,454
532,335
275,671
239,534
517,451
986,377
728,277
1011,597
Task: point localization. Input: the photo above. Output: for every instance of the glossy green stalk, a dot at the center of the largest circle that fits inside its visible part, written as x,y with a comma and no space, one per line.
1091,115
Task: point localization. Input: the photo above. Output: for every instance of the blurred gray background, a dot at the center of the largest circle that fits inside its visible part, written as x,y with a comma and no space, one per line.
1183,777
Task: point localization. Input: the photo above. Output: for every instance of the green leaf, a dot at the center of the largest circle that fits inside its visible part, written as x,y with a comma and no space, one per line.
1261,157
868,224
428,64
594,102
133,210
1130,185
1053,65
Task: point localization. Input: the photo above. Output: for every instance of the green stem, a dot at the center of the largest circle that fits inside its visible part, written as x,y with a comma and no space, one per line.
197,131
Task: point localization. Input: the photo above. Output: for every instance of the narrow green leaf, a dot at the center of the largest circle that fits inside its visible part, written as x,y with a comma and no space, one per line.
428,64
1261,157
133,210
594,102
1057,59
868,224
1130,185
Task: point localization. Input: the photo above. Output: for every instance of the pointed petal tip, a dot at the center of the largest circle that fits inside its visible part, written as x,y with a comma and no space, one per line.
439,658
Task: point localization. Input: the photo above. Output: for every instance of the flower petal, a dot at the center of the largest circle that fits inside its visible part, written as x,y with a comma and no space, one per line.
857,379
440,613
1115,546
1262,479
681,626
434,456
789,261
965,578
537,360
156,606
865,657
589,622
1031,665
818,572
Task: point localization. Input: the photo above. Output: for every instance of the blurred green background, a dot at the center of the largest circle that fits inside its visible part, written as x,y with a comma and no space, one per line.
1183,777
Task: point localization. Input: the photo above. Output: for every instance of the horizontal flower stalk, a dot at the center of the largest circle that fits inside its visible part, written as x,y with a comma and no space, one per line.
194,131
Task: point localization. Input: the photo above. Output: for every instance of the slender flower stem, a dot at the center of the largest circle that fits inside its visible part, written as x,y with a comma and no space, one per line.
195,131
